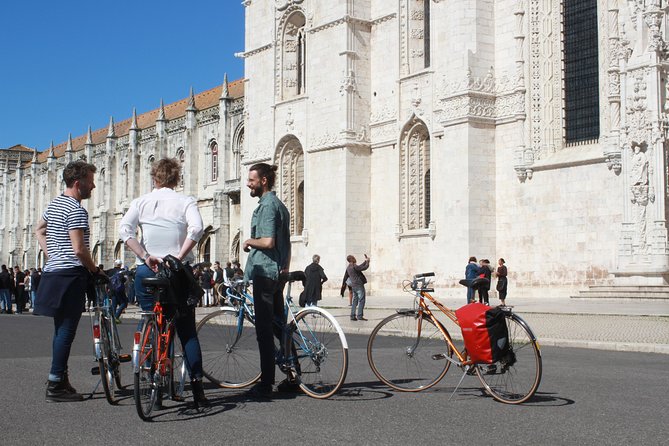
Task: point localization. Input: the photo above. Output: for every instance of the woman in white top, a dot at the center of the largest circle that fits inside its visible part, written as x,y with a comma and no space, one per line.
171,224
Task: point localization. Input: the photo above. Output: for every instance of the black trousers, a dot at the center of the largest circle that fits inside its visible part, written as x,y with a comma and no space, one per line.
270,320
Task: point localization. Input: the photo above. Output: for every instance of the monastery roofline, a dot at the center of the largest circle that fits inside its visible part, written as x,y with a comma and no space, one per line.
205,100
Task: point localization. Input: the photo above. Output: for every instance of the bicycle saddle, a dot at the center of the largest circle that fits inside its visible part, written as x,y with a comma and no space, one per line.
293,276
158,282
477,283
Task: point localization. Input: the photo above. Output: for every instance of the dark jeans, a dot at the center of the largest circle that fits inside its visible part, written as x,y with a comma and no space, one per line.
184,324
20,299
65,324
270,319
119,303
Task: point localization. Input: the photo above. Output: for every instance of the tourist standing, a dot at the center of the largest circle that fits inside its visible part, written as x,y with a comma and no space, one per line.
5,290
315,278
63,235
269,255
170,224
472,271
357,281
502,281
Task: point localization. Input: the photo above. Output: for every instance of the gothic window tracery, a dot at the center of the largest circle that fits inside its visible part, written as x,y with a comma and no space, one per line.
181,156
126,180
581,70
237,154
415,34
291,177
293,56
415,212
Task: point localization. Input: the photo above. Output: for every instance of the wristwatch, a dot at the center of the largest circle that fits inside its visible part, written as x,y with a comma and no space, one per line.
146,257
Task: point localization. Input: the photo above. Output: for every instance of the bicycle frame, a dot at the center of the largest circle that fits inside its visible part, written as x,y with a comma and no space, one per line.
103,309
165,339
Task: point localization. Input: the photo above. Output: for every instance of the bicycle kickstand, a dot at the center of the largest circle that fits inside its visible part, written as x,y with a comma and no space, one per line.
467,369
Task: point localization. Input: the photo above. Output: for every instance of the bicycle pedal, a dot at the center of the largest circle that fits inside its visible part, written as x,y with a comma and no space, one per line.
125,358
438,356
95,370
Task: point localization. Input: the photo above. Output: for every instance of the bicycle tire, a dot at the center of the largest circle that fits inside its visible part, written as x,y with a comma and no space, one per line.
147,385
229,350
516,377
322,352
106,361
117,352
405,360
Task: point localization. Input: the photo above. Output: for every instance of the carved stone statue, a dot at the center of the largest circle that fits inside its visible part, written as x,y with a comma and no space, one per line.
642,194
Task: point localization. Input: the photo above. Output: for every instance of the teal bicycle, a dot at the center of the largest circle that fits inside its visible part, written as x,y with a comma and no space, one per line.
106,341
313,348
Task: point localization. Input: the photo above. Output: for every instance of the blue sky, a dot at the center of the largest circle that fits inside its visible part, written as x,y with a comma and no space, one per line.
65,65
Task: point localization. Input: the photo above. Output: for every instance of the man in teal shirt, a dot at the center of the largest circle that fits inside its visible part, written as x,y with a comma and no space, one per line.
269,255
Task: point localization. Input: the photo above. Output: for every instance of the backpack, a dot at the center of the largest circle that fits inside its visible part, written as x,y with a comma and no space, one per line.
484,331
117,283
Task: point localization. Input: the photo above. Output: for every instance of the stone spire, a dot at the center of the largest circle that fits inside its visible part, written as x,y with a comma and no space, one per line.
68,149
51,153
89,137
191,101
161,112
225,92
34,160
133,125
89,145
111,133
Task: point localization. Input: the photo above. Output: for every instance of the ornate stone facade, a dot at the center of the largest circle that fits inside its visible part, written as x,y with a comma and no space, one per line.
419,132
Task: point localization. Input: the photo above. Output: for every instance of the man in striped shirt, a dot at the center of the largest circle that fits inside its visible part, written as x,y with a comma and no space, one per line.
63,235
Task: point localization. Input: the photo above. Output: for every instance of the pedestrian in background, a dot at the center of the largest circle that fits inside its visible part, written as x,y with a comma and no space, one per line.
502,281
486,273
472,271
357,281
63,234
19,289
5,290
315,278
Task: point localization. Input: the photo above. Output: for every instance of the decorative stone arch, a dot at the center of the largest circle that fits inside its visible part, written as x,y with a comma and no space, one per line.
204,245
415,177
290,159
180,155
149,164
95,254
237,150
291,54
235,246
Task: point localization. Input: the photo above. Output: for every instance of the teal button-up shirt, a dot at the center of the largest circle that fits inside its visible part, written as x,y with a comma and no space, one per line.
270,219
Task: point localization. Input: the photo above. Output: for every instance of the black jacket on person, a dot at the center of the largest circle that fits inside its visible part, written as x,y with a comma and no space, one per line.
314,285
5,280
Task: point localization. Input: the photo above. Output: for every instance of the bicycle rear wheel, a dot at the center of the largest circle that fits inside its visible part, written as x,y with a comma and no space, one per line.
146,384
108,361
516,377
229,348
322,353
407,352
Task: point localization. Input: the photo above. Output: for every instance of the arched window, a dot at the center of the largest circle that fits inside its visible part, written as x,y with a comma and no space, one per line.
235,245
149,165
181,156
237,154
126,180
100,193
119,251
293,60
415,176
214,161
291,175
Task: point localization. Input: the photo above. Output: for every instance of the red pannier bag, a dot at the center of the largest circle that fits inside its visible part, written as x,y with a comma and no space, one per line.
484,332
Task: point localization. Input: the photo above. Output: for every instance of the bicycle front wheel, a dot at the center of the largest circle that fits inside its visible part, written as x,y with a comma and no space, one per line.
146,376
407,352
108,361
229,348
516,376
322,353
177,371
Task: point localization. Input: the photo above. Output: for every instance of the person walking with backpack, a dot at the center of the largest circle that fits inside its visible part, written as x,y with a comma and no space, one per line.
117,285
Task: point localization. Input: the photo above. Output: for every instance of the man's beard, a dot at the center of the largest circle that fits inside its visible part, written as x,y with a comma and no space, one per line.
85,193
256,192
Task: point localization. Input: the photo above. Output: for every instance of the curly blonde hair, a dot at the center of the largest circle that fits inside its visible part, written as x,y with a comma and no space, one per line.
166,172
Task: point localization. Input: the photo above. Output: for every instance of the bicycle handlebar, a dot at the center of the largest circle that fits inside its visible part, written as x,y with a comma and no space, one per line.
422,275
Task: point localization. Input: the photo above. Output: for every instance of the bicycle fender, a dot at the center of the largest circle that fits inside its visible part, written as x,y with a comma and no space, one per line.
332,318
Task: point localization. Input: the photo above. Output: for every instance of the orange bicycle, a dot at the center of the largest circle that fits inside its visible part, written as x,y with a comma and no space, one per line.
412,351
158,361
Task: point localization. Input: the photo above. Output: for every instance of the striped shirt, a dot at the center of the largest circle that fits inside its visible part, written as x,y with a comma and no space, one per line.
61,216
